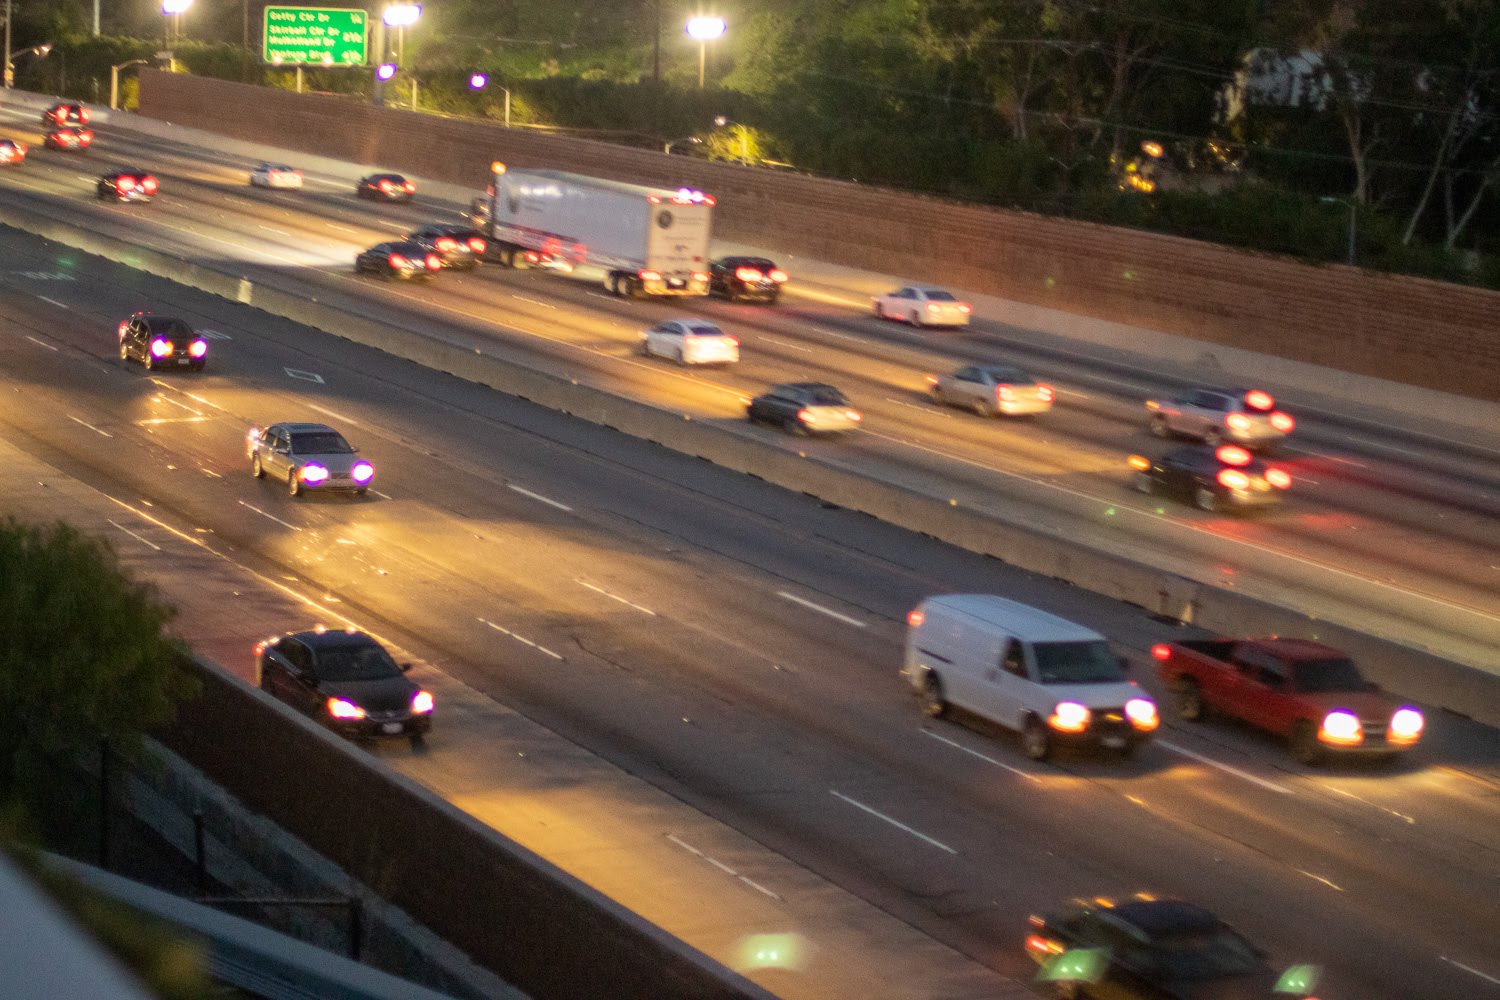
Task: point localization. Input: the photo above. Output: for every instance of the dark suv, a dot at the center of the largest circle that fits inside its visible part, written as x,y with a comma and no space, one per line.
746,278
347,681
162,342
458,247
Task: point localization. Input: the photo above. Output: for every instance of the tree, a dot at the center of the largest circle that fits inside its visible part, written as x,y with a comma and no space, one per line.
83,653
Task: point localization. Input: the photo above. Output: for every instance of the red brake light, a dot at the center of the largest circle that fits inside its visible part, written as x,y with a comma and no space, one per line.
125,183
777,275
476,244
914,617
700,275
421,702
747,274
396,260
1238,421
149,185
446,243
1233,454
1233,479
1278,478
931,379
83,114
85,137
1045,393
650,275
160,348
385,185
802,415
1161,651
854,415
198,348
965,308
1005,392
434,262
1258,400
1283,422
410,187
123,326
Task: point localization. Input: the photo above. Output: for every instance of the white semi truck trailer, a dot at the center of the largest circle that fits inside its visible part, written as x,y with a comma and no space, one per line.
645,240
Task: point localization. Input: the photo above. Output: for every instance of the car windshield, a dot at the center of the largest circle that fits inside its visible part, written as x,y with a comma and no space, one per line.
1088,662
320,443
356,663
176,329
1209,954
826,396
938,295
1333,674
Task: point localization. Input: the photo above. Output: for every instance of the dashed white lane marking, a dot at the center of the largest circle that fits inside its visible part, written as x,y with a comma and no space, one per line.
1339,458
929,410
152,422
90,426
615,597
1469,969
383,496
305,376
896,823
54,302
41,343
140,538
330,413
786,344
1073,392
1399,815
273,229
1227,769
161,398
840,336
271,516
821,610
1319,878
975,753
535,302
520,638
721,866
342,229
211,472
537,496
394,225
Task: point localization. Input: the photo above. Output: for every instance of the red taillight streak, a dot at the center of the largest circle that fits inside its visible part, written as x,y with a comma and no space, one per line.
1231,454
1161,651
1258,400
1045,393
396,260
476,244
434,262
777,275
125,183
149,185
409,186
1279,478
747,274
1233,479
1283,422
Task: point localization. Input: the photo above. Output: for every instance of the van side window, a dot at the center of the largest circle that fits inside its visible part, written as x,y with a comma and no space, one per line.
1015,658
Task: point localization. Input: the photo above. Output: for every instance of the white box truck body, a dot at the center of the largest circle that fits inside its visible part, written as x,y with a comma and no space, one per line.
647,241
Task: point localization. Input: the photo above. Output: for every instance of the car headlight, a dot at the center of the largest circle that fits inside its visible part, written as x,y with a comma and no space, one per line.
341,708
312,473
362,472
161,347
1142,714
1341,728
1406,725
1070,717
198,348
421,702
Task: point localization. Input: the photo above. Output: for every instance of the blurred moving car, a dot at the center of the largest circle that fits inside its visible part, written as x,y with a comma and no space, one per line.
992,390
1243,416
346,680
128,184
11,152
308,457
690,342
804,408
275,175
66,113
750,278
1155,949
398,260
385,187
162,342
923,305
69,139
1223,478
458,247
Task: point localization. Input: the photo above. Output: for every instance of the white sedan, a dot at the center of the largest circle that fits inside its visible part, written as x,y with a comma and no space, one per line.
276,175
690,342
923,305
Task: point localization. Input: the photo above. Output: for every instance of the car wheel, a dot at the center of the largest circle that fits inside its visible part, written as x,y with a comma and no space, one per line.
1189,698
1212,437
256,469
1159,426
933,705
293,483
985,408
792,426
1034,740
1144,483
1206,499
775,298
1304,744
879,311
124,350
645,347
750,415
148,360
678,358
916,319
417,740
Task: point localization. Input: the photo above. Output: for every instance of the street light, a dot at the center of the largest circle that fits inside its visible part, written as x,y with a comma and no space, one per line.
173,10
705,30
401,16
744,134
39,51
114,80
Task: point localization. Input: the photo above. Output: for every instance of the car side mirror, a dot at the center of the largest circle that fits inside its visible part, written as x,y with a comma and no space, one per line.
1124,665
405,667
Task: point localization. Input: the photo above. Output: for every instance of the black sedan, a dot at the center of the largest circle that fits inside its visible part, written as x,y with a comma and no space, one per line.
128,184
347,681
400,259
458,247
386,187
1223,478
754,278
162,342
1155,949
69,139
66,114
804,408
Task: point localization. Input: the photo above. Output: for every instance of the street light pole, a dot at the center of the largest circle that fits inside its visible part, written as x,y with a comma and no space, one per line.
704,30
114,81
9,72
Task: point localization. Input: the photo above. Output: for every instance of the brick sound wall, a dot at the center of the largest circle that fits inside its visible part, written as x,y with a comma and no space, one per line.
1422,332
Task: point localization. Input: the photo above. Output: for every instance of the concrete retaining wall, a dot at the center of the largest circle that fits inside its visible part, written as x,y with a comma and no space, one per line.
1425,333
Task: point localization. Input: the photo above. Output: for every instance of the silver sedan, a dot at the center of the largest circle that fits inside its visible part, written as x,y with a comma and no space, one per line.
308,457
991,390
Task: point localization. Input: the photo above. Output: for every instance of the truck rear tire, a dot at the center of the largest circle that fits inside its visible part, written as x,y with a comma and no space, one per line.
1189,697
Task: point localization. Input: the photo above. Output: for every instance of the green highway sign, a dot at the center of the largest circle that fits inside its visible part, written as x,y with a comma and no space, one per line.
315,36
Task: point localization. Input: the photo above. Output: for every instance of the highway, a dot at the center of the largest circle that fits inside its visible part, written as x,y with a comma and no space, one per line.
1387,530
736,646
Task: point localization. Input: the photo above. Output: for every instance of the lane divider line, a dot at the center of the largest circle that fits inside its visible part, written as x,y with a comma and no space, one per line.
90,426
41,343
140,538
271,516
975,753
520,638
615,597
1226,768
537,496
896,823
822,610
1319,878
60,305
721,866
1469,969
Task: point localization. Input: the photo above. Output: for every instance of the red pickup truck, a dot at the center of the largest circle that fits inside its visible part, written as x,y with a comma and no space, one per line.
1308,693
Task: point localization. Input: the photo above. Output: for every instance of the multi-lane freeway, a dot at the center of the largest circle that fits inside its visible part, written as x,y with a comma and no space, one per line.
737,646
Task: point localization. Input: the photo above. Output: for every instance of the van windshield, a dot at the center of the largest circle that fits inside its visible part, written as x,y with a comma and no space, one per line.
1076,662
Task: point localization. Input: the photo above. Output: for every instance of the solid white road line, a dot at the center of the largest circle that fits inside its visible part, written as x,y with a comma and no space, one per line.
989,760
520,638
1319,878
785,343
721,866
271,516
897,824
337,416
54,302
1469,969
535,302
819,608
615,597
90,426
538,496
39,343
1270,785
143,540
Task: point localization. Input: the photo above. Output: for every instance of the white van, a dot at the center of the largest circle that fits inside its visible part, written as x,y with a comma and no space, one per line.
1050,680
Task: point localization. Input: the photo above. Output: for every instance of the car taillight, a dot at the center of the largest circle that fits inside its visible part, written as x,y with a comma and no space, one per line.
421,702
123,326
804,415
700,275
1283,422
1233,454
1342,728
853,415
649,275
1142,714
434,262
342,709
198,348
1045,393
733,341
777,275
446,243
1238,421
1044,945
312,473
1233,479
85,137
747,274
1139,462
409,186
965,308
396,260
476,244
125,183
1161,651
83,114
914,617
161,347
934,307
362,472
149,185
1278,478
931,379
1070,717
1004,392
1406,726
385,185
1258,400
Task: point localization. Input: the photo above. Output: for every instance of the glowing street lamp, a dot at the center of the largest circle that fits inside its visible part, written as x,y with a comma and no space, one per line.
385,71
477,81
705,30
173,10
401,16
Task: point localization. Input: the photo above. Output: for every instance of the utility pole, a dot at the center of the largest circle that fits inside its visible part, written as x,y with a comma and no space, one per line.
8,73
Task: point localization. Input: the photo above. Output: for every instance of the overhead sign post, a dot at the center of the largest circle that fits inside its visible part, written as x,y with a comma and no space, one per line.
315,36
